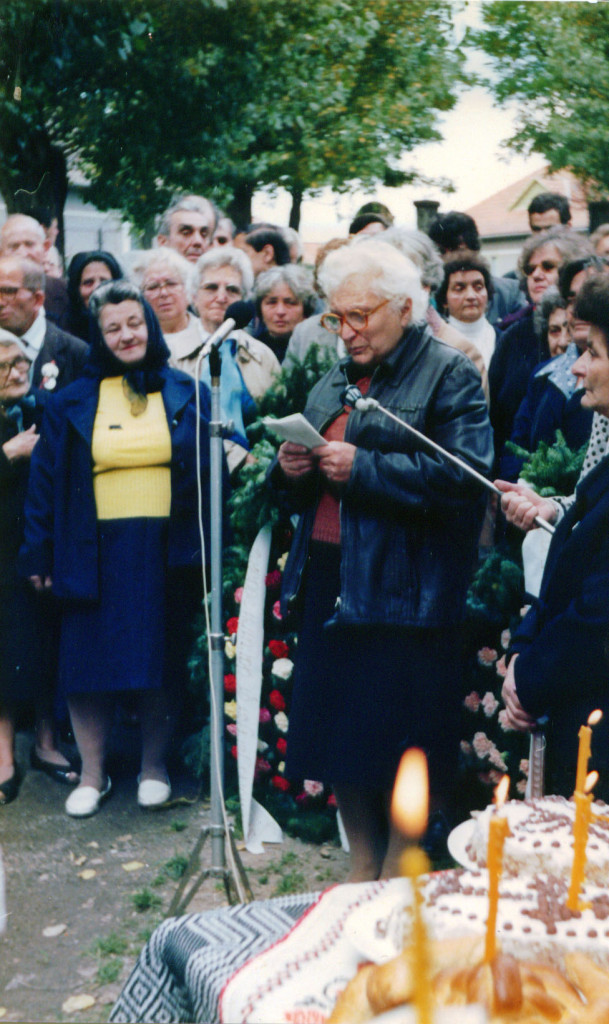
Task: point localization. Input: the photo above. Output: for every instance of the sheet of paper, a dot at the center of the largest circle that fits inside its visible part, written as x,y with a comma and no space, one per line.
295,428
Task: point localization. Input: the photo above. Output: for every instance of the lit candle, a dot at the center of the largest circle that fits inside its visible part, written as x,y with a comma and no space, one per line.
581,824
497,832
583,753
409,810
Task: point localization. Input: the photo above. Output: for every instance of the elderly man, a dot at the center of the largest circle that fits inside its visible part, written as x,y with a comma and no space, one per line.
188,226
21,235
58,357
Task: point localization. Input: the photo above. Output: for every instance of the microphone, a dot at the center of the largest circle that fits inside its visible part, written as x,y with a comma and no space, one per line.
220,334
242,312
353,397
237,316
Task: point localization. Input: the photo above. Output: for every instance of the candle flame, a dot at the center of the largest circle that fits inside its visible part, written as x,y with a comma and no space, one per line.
595,716
501,791
591,780
409,802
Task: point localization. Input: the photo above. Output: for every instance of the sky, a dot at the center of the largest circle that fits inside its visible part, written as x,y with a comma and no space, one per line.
470,155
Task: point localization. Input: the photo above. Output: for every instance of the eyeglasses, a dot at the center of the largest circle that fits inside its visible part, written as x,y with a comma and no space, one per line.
9,292
155,287
211,288
20,363
356,319
545,265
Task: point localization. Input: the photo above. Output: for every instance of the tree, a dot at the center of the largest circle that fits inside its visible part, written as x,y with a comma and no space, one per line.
222,96
553,58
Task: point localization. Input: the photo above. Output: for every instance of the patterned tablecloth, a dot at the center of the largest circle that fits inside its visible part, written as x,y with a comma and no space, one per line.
186,963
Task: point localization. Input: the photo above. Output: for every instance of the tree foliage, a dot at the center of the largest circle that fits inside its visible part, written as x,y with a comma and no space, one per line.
221,96
553,59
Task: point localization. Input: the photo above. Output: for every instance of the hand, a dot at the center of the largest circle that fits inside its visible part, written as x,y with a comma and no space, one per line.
21,445
295,460
41,583
517,717
336,460
521,504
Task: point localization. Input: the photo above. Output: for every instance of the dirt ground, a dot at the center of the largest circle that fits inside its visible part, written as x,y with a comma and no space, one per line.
83,896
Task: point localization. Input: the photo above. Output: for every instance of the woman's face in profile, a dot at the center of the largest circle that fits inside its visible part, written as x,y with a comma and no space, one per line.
281,311
124,331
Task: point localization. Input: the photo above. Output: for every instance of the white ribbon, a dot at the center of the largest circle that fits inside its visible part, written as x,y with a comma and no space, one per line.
258,825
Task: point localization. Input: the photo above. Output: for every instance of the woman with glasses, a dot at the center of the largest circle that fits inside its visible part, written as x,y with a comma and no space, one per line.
383,550
520,348
27,620
86,272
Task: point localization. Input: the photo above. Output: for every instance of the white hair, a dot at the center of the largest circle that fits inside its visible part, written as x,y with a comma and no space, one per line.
376,266
164,256
226,256
7,338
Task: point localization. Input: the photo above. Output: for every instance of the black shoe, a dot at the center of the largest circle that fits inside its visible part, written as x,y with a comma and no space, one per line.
10,788
58,772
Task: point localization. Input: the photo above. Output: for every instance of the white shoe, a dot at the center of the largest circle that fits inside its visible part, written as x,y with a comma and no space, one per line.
86,800
151,793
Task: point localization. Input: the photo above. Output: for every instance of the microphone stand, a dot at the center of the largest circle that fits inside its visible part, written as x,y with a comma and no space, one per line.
353,397
235,878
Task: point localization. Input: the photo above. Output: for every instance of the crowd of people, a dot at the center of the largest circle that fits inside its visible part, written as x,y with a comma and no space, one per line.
100,573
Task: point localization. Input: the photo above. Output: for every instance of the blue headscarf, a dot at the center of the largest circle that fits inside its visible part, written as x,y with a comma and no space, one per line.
145,377
79,320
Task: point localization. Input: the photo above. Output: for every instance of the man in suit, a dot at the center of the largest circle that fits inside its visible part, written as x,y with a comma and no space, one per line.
57,357
21,235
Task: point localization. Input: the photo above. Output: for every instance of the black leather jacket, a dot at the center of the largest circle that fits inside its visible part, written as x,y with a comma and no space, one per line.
409,519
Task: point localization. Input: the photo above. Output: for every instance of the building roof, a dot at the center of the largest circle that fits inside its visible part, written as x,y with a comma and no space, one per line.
505,213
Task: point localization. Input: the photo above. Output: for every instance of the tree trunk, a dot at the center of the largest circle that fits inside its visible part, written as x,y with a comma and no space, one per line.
34,176
297,195
240,207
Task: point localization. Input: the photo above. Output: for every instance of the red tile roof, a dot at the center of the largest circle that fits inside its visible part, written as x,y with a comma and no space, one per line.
505,212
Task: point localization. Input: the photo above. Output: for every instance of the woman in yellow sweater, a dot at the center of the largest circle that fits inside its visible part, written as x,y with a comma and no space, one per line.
111,526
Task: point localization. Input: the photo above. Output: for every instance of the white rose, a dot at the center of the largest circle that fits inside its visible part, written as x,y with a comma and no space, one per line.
282,668
50,383
50,370
261,746
281,721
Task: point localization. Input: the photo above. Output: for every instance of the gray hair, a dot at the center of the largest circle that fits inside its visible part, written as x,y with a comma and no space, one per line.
193,204
550,301
381,268
298,279
7,338
293,239
225,256
419,248
569,245
30,222
112,294
33,274
164,257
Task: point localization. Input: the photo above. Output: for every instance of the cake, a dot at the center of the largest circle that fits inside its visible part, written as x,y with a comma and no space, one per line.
541,838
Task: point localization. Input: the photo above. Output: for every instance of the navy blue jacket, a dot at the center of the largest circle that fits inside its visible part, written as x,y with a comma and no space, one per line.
563,666
409,520
61,521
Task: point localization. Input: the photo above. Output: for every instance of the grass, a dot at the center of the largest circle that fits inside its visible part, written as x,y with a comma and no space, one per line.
146,900
178,826
108,972
111,945
293,881
176,866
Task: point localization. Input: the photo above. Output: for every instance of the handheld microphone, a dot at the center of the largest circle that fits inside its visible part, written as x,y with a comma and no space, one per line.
353,397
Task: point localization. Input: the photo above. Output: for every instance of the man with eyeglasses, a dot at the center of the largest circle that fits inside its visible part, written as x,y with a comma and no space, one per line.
24,236
57,357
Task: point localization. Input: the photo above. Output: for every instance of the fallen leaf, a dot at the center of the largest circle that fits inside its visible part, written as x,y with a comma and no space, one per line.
133,865
77,861
52,930
75,1003
125,838
2,1011
87,874
94,845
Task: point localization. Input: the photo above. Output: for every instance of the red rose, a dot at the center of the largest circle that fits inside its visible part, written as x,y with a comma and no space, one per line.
331,802
232,625
278,648
273,579
233,751
280,783
282,746
276,700
230,683
264,716
262,765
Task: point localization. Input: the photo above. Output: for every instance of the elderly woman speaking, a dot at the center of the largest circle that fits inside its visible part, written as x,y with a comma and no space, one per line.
111,525
384,549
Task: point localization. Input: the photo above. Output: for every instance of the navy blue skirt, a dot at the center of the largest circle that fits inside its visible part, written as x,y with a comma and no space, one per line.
364,694
117,643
